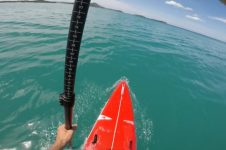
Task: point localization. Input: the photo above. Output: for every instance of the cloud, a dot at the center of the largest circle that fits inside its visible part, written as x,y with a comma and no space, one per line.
218,19
178,5
194,17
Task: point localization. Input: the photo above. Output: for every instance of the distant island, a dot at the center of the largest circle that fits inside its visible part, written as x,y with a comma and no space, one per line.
96,5
150,18
91,4
99,6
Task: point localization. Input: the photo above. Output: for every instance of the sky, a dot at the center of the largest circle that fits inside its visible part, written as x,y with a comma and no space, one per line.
206,17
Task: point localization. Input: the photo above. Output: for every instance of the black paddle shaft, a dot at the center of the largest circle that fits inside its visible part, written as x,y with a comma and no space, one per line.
78,20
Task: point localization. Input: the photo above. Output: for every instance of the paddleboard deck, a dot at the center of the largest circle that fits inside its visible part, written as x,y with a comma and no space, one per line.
114,129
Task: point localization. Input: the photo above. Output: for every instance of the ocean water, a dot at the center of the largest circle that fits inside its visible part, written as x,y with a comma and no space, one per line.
177,78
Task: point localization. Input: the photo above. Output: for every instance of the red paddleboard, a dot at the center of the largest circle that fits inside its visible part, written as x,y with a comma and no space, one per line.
115,127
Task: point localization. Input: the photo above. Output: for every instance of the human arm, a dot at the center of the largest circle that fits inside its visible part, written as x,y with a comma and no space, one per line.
63,137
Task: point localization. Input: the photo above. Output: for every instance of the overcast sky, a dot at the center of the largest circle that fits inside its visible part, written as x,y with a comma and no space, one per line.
207,17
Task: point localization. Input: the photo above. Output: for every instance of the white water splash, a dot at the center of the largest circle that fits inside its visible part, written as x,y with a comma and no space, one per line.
27,144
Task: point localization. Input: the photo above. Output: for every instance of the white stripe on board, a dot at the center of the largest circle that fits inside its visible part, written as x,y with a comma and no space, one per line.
129,122
122,92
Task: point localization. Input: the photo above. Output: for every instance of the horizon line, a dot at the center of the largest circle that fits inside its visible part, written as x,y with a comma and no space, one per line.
103,7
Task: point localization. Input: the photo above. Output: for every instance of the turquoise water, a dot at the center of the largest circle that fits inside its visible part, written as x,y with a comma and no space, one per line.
177,78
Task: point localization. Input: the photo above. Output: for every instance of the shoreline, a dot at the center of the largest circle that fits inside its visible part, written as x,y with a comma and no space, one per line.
93,4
